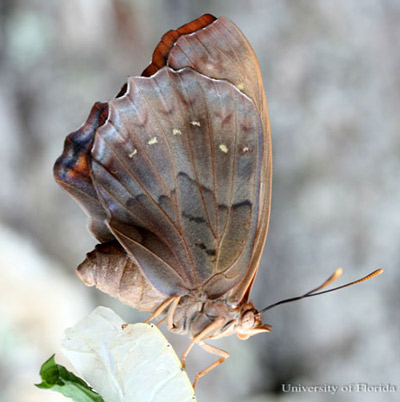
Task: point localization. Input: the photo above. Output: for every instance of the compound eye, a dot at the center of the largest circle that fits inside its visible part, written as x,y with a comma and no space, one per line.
247,320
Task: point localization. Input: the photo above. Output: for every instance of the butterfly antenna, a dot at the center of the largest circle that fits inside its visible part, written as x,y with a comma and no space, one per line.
331,279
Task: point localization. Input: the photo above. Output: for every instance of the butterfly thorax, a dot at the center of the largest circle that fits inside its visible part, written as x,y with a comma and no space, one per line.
216,318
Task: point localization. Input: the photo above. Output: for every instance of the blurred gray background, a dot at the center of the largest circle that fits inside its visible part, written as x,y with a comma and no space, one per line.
331,72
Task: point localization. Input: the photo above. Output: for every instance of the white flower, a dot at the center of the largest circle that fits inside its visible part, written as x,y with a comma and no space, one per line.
126,363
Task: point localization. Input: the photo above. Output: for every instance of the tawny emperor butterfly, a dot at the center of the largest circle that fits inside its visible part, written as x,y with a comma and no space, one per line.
175,176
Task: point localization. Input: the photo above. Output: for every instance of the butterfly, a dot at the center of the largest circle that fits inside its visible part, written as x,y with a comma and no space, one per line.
175,177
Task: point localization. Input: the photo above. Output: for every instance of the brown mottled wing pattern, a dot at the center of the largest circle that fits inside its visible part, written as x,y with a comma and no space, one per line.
177,165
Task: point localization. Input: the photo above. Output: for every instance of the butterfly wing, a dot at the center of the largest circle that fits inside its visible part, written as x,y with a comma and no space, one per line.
190,210
220,50
177,165
167,42
72,171
217,48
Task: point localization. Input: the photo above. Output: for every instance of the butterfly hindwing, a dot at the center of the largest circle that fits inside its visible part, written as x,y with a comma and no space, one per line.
72,171
179,157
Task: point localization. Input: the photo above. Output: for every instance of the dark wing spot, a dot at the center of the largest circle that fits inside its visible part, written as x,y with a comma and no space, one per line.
245,203
202,246
195,219
131,203
226,120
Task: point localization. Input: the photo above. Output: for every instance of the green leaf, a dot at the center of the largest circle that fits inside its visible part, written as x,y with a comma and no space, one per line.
59,379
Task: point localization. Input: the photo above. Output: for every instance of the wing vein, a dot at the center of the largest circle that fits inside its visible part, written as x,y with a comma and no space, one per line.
188,253
153,254
237,57
209,132
132,175
232,184
145,224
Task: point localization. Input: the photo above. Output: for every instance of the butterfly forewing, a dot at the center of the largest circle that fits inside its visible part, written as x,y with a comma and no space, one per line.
220,50
177,165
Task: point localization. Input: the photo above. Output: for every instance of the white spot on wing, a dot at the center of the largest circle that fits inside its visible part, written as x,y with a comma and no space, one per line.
176,131
240,86
134,152
152,141
223,148
195,123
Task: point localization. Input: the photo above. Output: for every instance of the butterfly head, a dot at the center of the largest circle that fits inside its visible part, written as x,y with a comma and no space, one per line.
250,322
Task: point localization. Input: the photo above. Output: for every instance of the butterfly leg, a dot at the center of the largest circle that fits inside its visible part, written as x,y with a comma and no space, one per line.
171,312
162,307
201,336
161,321
216,351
